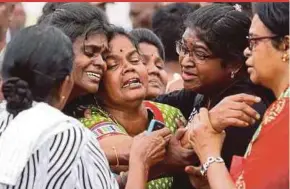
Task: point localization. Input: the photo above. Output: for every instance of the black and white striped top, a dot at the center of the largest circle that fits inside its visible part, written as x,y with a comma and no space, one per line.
70,160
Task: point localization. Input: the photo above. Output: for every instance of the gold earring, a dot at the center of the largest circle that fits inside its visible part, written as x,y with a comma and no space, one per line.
285,57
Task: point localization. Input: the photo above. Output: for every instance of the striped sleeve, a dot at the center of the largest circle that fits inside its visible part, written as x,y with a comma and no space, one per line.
28,176
76,160
63,153
94,167
71,159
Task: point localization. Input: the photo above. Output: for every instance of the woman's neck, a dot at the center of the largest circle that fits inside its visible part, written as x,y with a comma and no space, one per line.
280,83
75,93
134,120
215,95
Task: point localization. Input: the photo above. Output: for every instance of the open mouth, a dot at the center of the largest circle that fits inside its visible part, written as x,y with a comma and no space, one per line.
93,75
132,83
186,76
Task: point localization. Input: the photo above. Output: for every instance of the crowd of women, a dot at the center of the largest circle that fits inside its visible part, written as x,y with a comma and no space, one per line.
86,103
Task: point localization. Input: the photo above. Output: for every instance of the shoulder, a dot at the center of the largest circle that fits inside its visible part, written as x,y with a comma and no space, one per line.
93,115
176,96
278,111
100,123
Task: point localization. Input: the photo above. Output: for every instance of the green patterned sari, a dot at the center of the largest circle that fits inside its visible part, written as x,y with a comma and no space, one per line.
103,125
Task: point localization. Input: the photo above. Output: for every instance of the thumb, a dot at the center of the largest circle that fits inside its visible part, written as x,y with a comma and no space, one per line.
192,170
180,132
189,169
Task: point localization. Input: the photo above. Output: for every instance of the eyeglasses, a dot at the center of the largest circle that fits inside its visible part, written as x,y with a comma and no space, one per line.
182,50
254,40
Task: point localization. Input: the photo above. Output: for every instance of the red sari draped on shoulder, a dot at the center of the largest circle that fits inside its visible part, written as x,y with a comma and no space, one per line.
266,162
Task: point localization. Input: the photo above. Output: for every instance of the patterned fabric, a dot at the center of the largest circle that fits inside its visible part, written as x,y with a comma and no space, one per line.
102,124
265,164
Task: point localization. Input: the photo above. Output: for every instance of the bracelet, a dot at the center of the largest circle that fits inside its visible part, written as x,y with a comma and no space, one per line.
117,157
209,161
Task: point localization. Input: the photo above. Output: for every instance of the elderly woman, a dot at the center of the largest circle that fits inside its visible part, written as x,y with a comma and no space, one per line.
152,53
268,54
122,112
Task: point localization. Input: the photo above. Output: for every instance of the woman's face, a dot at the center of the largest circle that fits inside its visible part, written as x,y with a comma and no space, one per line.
201,71
157,76
89,65
126,79
263,60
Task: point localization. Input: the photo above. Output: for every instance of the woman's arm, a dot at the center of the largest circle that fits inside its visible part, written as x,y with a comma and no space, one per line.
137,175
146,151
219,177
208,143
117,147
183,100
235,110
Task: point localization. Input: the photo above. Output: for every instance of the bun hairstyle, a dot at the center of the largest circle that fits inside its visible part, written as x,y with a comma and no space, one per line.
36,62
18,95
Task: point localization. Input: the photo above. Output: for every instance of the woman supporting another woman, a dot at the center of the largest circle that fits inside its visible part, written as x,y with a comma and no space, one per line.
120,112
213,68
40,146
265,164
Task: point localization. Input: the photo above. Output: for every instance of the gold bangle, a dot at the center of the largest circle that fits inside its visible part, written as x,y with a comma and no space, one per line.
116,154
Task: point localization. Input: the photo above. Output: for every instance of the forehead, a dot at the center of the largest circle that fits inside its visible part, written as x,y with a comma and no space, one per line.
97,39
190,36
148,49
257,27
120,43
93,40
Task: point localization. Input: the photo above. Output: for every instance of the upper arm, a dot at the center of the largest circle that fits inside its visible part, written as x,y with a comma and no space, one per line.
182,100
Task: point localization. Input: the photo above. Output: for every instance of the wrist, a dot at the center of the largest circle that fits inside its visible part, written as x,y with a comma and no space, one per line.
209,162
214,123
140,163
203,158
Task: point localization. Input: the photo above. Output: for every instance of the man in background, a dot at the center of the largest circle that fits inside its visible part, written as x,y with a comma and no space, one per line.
6,9
18,19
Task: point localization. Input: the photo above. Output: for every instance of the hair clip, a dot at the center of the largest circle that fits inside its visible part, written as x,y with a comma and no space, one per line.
238,7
